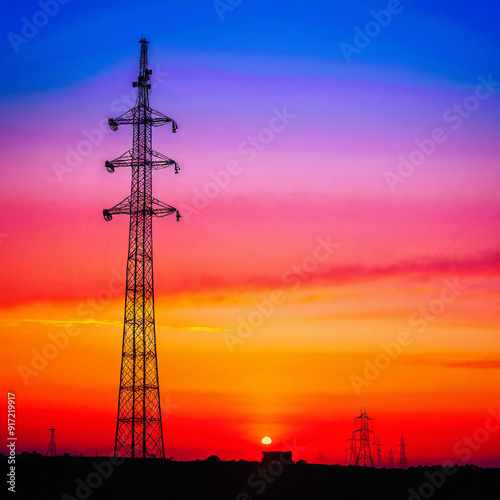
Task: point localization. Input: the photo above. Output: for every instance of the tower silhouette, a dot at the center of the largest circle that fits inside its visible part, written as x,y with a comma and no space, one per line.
351,450
139,430
402,452
378,452
360,441
390,464
51,450
346,458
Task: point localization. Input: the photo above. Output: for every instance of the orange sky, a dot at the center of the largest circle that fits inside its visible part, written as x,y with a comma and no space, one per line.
290,378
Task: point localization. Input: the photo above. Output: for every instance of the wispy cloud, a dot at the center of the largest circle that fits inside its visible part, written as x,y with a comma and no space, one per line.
476,364
59,322
484,264
482,364
207,329
196,328
87,321
417,268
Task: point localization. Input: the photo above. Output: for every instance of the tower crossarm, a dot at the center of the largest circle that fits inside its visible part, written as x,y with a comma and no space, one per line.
158,119
125,160
128,159
364,429
162,161
158,209
130,117
124,207
142,115
161,209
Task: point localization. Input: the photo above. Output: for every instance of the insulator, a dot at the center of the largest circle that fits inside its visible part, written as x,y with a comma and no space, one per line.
177,168
109,167
174,126
113,125
178,215
106,214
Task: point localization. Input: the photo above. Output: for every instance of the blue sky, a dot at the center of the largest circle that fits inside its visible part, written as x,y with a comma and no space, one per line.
451,40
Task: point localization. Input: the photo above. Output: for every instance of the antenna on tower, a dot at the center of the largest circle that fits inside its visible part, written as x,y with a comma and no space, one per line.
402,452
139,430
51,450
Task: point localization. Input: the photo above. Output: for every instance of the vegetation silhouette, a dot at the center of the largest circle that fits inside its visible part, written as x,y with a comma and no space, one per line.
105,478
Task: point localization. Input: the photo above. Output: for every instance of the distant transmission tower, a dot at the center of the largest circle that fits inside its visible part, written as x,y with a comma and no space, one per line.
360,441
51,450
390,464
139,430
378,452
402,452
351,450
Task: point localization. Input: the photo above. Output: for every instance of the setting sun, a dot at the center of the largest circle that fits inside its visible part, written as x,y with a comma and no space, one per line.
266,440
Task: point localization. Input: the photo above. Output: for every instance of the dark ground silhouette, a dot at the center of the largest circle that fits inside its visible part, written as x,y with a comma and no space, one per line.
102,478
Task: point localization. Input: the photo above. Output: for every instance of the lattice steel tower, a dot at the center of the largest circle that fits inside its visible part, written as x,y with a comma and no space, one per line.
139,430
402,453
51,450
363,451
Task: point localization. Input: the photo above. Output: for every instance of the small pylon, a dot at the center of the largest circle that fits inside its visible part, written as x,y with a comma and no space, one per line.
378,452
51,450
402,452
352,451
390,464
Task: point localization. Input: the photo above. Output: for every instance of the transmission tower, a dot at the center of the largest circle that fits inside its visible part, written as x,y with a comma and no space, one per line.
390,464
352,451
51,450
361,438
402,452
139,430
378,452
